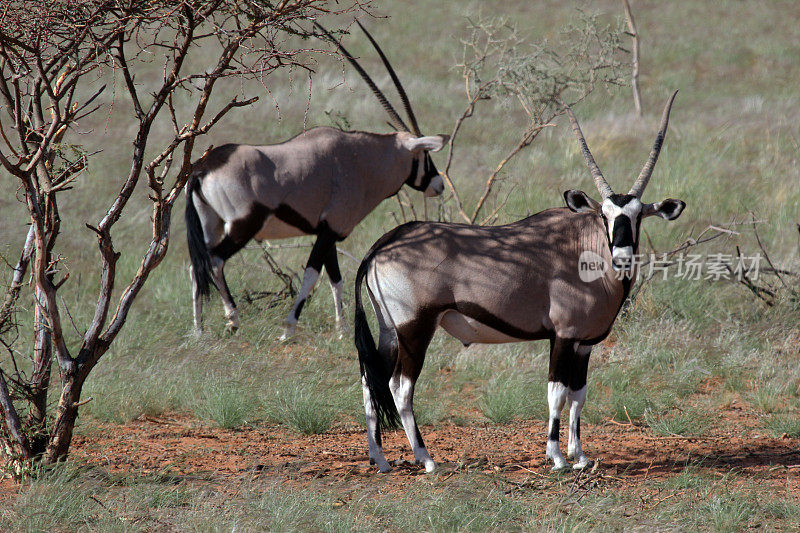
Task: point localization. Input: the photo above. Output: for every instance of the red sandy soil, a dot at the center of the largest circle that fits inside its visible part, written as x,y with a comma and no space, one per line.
179,445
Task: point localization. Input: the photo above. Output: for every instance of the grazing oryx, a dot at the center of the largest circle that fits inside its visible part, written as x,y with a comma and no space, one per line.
322,182
521,281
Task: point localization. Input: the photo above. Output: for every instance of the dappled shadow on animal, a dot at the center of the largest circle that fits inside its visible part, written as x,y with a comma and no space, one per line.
322,182
518,282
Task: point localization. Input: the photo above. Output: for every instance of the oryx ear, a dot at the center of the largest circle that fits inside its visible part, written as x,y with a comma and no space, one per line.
432,143
579,202
668,209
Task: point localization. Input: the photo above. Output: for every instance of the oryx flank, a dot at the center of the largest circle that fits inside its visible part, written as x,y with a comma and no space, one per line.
502,284
322,182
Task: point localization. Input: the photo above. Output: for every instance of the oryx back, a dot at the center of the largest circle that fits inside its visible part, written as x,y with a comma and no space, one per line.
497,284
268,191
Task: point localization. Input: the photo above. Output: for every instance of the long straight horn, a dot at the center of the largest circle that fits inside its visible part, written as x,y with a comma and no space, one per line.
644,176
394,118
599,181
406,104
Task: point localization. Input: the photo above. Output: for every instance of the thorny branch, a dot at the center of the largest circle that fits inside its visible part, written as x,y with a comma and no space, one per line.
761,288
54,58
498,64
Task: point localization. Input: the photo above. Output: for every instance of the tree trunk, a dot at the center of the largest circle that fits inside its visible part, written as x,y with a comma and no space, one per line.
40,380
64,422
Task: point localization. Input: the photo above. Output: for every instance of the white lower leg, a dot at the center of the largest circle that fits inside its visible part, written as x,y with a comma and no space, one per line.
336,289
197,304
403,393
574,449
232,316
309,280
375,450
556,396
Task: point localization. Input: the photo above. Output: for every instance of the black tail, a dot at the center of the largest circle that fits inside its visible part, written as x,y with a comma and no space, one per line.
375,367
198,252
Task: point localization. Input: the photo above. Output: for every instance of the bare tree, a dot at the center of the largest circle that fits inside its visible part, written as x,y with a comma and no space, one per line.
536,80
52,55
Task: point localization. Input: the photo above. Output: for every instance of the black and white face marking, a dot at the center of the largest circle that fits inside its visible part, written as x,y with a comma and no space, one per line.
424,176
622,215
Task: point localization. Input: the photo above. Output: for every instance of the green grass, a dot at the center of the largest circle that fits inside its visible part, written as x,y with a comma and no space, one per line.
766,396
300,406
684,424
783,424
227,404
508,397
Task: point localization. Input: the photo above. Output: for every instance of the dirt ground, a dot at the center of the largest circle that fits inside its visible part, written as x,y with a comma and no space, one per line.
180,445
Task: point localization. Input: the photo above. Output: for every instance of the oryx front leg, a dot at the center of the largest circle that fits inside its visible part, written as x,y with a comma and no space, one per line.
574,450
556,396
374,441
325,240
335,278
231,313
562,368
576,395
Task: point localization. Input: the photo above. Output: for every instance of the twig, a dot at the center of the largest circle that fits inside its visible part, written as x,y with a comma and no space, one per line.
647,473
769,261
278,271
84,402
662,500
627,415
527,138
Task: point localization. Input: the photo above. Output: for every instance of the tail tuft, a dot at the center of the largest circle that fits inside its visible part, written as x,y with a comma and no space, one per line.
198,252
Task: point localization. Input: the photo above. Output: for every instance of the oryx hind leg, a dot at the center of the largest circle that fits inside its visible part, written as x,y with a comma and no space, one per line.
335,279
197,303
218,272
576,396
326,239
374,440
412,344
213,231
387,349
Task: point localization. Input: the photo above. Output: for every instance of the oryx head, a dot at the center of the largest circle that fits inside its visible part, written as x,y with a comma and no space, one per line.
622,214
423,176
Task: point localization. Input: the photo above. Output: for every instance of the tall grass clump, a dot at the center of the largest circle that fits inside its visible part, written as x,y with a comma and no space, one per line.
228,404
683,424
57,499
781,425
300,406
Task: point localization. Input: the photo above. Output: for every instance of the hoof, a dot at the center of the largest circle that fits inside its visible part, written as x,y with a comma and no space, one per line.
584,462
383,466
231,327
561,469
343,329
430,467
288,332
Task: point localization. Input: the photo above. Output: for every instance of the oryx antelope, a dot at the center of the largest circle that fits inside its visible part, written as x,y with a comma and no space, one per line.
321,182
517,282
